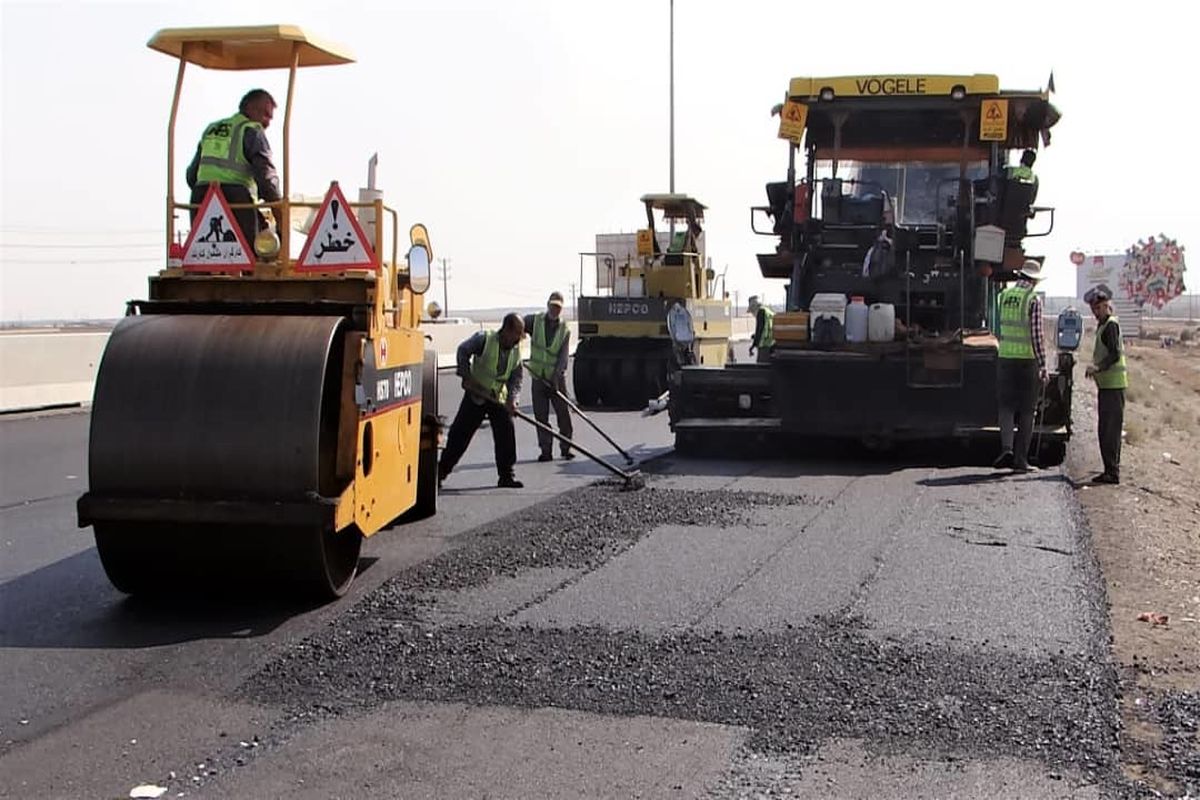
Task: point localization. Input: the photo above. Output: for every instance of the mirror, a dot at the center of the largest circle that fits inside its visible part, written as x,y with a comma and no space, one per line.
418,268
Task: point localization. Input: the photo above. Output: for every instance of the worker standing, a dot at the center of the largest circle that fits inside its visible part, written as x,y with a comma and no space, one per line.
763,339
549,347
235,153
1022,366
490,366
1108,371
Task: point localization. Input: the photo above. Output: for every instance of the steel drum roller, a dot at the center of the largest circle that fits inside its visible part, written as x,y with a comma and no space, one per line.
214,437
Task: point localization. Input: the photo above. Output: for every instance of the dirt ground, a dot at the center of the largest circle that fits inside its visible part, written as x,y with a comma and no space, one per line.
1147,538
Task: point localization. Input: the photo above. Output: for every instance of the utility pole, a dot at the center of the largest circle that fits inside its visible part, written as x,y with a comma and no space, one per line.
445,293
672,49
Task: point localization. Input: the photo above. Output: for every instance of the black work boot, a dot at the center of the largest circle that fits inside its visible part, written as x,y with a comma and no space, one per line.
509,482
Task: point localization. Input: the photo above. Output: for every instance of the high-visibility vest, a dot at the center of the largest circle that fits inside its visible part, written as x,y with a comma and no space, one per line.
767,338
1022,173
543,357
1016,332
1115,377
222,159
486,370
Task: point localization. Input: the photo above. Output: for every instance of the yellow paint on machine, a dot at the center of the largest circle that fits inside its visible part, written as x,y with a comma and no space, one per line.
892,85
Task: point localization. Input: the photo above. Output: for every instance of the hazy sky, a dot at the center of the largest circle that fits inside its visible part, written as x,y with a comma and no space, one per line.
518,130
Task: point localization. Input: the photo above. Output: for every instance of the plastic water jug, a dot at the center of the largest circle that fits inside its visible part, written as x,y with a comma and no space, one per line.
857,316
881,323
831,306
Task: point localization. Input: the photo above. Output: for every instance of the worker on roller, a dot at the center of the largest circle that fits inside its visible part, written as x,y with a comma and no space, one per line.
490,367
549,347
235,153
1021,366
763,339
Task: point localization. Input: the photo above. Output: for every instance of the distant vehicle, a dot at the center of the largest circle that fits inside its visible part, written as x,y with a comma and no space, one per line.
624,351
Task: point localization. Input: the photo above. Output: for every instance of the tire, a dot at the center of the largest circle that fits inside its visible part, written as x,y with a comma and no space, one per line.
427,461
583,378
1051,454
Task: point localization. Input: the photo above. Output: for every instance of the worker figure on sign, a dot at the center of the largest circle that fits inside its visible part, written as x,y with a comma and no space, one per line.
234,152
763,339
549,346
1022,366
1108,371
490,367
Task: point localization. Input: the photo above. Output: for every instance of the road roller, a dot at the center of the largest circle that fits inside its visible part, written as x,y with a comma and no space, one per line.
625,352
259,413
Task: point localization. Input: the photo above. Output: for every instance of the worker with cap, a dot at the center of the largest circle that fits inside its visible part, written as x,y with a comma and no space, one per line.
235,153
548,351
490,367
1022,366
763,339
1108,371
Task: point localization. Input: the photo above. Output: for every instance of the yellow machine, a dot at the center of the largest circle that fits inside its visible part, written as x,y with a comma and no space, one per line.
259,419
625,350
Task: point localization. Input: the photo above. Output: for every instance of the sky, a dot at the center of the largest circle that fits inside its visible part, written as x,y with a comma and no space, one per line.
516,131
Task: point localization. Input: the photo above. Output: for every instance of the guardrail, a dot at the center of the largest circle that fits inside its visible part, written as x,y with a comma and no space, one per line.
54,368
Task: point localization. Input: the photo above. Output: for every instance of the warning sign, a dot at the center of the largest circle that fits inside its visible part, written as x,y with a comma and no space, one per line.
336,241
792,120
216,242
993,121
645,242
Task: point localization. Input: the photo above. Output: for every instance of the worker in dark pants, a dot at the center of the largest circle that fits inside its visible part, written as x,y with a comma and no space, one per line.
1108,371
235,153
549,347
490,366
1021,366
763,339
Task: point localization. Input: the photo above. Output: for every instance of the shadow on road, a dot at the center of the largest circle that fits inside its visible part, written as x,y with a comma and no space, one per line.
71,604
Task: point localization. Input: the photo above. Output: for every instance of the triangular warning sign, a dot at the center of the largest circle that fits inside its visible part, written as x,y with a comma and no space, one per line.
216,242
336,241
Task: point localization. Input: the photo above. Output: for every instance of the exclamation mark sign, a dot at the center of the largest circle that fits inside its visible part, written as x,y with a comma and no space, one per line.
333,205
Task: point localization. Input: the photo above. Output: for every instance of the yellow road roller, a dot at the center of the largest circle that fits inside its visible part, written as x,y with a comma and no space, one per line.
259,414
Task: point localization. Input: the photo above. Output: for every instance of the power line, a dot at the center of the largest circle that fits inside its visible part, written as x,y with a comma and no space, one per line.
80,231
62,261
82,246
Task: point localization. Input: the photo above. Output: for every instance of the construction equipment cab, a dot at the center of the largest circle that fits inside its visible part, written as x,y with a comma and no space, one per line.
896,226
269,405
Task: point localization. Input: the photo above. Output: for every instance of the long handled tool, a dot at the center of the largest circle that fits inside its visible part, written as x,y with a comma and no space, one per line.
633,478
571,404
1040,421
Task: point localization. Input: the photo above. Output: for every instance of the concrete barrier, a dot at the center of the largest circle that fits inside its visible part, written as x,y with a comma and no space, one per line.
47,368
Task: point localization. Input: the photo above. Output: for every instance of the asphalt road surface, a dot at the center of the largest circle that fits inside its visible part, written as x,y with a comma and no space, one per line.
812,626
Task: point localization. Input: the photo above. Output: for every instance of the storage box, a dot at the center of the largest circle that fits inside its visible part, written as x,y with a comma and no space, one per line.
791,326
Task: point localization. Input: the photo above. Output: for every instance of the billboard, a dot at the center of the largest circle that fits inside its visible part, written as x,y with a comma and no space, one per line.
1094,269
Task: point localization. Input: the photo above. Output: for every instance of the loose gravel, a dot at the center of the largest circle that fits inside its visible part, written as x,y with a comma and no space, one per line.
793,689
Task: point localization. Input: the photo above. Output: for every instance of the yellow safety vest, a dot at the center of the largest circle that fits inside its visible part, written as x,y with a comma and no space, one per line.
1115,377
1016,333
767,337
222,159
543,357
486,370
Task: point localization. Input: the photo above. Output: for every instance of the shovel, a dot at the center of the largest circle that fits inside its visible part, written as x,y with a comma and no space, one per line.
633,479
579,411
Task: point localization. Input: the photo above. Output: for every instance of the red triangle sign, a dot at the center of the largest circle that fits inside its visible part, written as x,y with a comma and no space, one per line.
336,241
216,242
